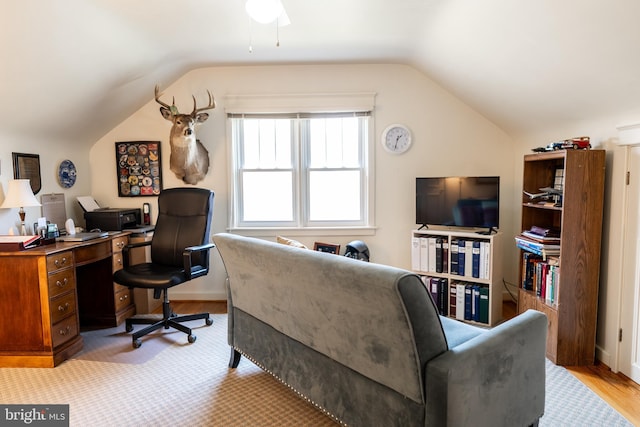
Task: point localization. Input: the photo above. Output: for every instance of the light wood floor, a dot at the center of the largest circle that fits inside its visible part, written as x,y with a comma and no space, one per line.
615,388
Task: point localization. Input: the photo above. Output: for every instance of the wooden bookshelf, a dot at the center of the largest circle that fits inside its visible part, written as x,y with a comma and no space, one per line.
573,315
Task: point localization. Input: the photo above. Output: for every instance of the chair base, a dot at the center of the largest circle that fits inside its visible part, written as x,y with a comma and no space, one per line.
169,320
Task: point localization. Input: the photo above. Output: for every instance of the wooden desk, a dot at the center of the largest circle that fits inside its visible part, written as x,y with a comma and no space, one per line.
47,293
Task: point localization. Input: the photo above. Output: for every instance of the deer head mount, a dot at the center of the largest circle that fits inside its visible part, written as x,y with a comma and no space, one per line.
189,159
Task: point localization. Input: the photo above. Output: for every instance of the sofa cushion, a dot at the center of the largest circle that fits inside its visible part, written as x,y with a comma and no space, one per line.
458,332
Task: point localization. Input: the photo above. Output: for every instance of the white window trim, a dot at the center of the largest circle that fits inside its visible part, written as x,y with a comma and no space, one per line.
304,103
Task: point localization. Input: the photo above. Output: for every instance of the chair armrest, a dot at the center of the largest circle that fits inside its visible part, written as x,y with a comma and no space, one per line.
495,378
125,250
192,271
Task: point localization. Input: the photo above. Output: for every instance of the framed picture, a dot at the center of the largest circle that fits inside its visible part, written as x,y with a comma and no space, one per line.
138,168
327,247
27,166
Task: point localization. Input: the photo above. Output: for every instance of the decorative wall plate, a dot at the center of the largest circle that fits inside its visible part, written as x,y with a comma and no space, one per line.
67,174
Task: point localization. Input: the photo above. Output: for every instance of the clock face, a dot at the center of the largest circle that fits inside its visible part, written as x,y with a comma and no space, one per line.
396,139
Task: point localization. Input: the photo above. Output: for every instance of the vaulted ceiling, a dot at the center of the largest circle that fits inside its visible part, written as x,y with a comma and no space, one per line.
74,69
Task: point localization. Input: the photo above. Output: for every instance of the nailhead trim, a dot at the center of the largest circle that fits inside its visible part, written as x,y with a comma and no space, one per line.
322,409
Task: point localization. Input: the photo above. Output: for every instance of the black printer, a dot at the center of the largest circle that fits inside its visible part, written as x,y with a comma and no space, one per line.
112,219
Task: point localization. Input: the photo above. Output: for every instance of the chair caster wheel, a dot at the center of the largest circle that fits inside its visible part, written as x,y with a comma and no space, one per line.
208,321
191,338
128,328
137,343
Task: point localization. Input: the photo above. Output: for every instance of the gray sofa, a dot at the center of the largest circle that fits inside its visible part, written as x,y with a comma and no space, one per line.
365,344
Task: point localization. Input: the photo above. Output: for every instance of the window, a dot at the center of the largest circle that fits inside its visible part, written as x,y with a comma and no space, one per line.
300,170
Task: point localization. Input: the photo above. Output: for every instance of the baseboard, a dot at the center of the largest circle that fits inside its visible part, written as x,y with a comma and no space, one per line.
605,358
197,296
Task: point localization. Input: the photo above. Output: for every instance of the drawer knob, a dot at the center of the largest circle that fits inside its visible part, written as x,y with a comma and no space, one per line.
63,283
124,297
119,261
65,331
120,245
64,308
60,262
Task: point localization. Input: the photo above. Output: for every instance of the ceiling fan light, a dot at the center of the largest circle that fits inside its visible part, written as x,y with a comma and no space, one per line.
264,11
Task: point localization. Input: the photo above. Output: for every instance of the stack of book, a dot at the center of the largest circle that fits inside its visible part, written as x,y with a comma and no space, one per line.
540,241
429,254
469,301
438,287
470,258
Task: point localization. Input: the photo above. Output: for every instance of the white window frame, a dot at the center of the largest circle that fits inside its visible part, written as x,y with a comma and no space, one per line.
252,105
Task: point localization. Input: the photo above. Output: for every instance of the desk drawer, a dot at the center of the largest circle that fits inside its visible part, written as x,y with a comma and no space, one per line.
117,261
63,331
119,242
123,299
61,282
59,260
62,307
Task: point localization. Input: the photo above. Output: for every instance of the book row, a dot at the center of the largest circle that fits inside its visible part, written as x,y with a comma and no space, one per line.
459,300
461,257
541,276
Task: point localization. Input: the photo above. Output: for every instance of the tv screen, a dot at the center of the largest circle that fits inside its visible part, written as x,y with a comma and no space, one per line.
458,201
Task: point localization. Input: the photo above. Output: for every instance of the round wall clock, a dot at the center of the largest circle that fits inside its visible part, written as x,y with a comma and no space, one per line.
396,139
67,174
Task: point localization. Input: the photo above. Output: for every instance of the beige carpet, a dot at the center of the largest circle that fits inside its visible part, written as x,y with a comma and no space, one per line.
166,382
169,382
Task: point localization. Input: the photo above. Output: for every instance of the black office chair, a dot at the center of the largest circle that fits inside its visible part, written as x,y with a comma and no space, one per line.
179,252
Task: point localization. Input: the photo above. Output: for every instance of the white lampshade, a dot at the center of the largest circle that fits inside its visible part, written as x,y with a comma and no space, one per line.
19,195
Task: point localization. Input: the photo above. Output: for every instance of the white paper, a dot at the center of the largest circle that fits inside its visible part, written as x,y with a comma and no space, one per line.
88,203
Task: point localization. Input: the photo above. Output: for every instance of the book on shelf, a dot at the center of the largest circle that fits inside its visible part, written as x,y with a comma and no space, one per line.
18,243
453,248
462,255
483,305
475,259
424,254
544,232
539,238
453,299
538,248
460,296
415,253
438,257
468,302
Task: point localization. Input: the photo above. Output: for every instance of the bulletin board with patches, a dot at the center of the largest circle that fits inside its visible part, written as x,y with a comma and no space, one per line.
138,168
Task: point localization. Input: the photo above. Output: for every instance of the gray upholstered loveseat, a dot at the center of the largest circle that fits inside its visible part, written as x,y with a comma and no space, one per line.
364,342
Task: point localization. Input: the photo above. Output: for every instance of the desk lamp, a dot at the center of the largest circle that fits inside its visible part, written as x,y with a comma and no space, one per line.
20,195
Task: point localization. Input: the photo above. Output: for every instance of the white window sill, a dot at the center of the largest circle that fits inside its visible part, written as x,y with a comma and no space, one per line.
320,231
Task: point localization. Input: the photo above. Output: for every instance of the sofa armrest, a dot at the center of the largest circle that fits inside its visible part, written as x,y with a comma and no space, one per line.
496,378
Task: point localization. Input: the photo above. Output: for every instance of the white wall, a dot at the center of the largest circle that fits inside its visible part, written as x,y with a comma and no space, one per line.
450,139
51,153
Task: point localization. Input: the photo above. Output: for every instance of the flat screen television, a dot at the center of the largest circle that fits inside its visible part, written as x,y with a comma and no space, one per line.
457,201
